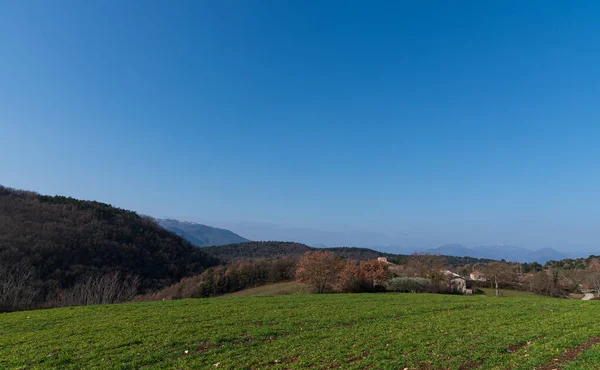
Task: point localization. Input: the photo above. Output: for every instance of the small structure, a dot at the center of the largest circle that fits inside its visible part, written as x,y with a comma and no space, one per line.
477,276
382,259
459,283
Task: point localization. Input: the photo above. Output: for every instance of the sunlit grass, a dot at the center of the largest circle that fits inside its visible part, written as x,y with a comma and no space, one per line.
507,293
286,288
357,331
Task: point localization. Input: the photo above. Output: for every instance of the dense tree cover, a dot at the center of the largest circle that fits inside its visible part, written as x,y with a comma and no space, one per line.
257,250
448,260
360,254
274,249
54,242
531,267
574,263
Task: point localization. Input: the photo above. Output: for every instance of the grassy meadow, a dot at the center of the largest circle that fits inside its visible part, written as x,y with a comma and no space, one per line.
347,331
285,288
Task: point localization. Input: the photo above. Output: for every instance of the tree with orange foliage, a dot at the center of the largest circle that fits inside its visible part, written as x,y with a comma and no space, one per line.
319,269
349,280
374,272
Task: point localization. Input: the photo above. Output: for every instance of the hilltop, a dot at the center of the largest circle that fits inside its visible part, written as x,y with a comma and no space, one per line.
201,235
255,250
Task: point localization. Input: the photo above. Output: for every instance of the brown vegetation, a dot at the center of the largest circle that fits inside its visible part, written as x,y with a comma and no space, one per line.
229,278
105,289
325,272
319,270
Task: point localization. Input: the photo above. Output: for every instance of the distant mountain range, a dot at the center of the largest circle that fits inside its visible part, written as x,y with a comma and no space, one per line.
204,236
201,235
499,252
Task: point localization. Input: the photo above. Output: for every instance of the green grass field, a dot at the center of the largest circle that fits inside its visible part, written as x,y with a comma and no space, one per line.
505,293
286,288
378,331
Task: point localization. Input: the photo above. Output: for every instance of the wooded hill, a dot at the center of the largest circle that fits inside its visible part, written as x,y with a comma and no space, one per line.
257,250
53,242
272,249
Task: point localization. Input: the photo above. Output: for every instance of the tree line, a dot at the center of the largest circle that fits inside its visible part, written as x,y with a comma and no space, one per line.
322,271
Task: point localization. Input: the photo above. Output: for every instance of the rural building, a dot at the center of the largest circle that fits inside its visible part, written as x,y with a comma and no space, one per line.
459,283
477,276
383,259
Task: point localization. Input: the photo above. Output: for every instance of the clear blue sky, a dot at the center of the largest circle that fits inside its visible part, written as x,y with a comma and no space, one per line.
473,122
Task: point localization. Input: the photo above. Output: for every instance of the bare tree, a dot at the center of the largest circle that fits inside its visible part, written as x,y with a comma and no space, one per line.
105,289
428,266
19,288
593,278
574,278
425,264
498,274
319,269
542,283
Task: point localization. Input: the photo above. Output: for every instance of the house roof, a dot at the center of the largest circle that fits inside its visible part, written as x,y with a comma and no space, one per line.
452,275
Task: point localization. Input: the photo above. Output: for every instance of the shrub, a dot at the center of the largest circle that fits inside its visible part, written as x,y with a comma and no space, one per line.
409,284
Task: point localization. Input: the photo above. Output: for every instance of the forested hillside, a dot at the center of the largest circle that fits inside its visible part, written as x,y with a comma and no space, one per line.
50,243
257,250
272,249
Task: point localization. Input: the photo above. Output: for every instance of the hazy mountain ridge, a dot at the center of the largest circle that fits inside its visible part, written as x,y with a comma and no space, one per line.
201,235
205,236
501,252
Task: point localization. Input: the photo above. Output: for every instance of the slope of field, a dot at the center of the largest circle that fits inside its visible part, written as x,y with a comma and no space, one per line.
506,293
285,288
383,331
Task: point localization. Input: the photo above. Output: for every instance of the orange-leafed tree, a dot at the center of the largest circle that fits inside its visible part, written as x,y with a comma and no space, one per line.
319,269
349,279
374,272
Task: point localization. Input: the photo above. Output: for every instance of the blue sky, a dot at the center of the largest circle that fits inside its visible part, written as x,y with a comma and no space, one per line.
475,123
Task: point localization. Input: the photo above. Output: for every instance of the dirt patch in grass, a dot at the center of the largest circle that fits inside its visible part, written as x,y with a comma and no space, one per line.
570,355
515,347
